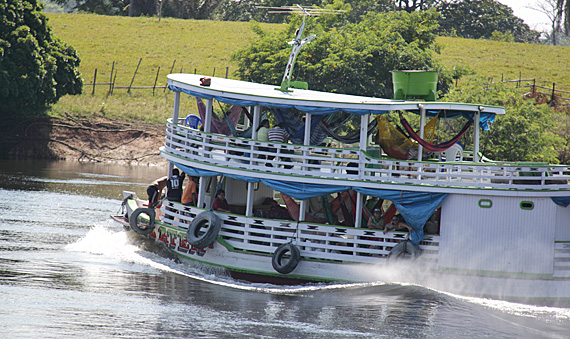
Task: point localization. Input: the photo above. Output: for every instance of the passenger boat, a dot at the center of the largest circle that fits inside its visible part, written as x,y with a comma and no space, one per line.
501,230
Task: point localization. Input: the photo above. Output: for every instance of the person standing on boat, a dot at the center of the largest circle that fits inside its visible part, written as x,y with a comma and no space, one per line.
376,220
190,194
154,191
220,203
174,185
280,135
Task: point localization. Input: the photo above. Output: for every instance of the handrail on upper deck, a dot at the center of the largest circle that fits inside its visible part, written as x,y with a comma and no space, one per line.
354,164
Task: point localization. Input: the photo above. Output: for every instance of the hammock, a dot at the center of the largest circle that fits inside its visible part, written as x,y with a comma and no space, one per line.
428,145
396,144
221,127
294,210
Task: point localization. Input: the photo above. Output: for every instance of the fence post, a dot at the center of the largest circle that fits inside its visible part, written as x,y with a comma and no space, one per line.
214,74
94,81
133,79
553,90
534,86
114,80
520,77
227,71
171,69
111,78
155,80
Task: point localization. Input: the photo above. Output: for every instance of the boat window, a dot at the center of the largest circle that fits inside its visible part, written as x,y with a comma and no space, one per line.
527,205
485,203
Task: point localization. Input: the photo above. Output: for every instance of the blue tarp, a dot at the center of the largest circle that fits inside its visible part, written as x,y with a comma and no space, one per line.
301,191
484,120
415,207
561,201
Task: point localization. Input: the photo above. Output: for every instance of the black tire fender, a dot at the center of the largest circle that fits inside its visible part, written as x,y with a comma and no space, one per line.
291,264
205,219
137,225
405,250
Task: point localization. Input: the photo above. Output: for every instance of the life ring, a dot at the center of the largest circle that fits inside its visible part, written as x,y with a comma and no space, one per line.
405,250
204,239
291,263
141,225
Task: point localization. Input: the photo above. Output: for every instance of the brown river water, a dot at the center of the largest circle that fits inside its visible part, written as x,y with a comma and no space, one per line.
68,271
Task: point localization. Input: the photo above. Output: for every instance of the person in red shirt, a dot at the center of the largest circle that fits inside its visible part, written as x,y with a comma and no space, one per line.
220,203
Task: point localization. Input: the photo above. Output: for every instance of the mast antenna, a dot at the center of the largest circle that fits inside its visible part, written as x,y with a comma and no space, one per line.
298,42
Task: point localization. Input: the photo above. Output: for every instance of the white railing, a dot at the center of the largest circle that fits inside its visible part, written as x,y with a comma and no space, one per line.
315,241
354,164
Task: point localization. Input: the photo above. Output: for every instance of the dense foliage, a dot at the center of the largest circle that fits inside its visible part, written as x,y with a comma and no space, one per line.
527,132
475,19
351,58
36,68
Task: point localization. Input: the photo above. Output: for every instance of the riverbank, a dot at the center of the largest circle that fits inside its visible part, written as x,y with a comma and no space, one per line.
93,140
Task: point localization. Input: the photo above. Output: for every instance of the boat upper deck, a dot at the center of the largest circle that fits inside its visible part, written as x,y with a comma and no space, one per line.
355,167
362,166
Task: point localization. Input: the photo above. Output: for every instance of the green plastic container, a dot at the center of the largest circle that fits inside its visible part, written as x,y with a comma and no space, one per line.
415,84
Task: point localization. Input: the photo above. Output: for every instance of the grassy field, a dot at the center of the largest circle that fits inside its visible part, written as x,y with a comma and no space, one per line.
497,60
191,45
204,46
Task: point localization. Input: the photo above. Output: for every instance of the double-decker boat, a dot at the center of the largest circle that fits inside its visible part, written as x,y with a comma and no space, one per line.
475,227
470,225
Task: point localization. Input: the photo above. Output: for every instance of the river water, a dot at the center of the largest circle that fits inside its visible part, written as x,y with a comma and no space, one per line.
68,271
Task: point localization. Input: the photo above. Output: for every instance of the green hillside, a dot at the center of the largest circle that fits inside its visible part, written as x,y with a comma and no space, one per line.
493,59
207,45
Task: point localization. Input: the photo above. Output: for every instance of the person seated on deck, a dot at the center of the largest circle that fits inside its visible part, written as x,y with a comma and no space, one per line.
154,191
190,194
399,224
220,202
432,225
174,185
277,211
376,220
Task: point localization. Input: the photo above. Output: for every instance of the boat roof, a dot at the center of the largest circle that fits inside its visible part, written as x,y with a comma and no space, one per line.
245,93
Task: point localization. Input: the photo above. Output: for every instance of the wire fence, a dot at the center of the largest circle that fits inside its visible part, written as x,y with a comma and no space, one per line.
552,92
111,85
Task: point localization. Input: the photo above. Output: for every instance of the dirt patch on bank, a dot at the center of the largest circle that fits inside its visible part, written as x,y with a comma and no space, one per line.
96,139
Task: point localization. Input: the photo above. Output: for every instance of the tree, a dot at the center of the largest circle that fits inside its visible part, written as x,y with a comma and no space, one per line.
563,7
191,9
36,68
103,7
551,10
350,58
475,19
415,5
527,132
245,10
